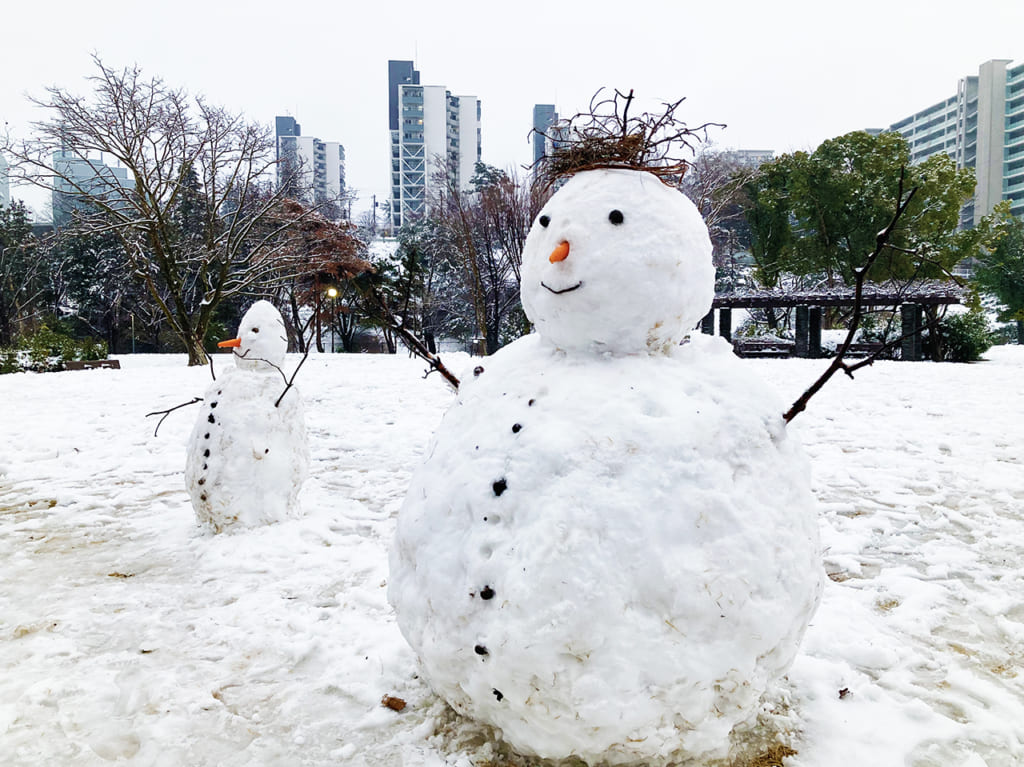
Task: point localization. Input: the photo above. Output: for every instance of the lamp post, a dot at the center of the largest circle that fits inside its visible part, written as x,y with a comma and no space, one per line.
332,292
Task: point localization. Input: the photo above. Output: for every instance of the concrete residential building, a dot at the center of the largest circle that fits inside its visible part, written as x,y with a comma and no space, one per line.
312,170
428,126
78,177
981,127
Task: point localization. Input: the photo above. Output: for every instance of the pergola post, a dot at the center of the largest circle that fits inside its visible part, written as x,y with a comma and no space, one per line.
725,323
814,332
802,339
910,319
707,324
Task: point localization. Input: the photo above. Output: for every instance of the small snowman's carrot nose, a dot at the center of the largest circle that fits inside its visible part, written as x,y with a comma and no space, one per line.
560,253
232,342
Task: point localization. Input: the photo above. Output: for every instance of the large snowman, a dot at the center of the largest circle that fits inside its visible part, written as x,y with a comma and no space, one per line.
248,454
611,550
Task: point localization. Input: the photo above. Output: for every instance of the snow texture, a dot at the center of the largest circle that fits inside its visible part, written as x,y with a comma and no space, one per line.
126,633
612,548
248,455
639,284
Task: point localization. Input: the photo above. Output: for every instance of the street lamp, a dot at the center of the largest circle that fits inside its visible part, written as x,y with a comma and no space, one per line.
332,292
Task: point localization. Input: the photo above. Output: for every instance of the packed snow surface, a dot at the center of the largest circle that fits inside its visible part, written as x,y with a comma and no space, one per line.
126,632
608,557
248,453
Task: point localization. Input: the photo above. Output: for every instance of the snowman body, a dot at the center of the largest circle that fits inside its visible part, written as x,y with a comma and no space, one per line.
248,454
611,549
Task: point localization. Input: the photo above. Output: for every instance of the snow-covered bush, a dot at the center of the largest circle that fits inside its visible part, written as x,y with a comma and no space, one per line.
965,337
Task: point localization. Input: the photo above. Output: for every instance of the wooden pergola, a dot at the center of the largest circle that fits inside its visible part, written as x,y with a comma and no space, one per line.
910,300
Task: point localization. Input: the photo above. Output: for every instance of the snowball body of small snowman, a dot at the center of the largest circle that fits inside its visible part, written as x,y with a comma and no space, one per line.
611,549
247,455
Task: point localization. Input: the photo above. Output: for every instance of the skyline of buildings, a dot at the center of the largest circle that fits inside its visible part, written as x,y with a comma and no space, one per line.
981,126
428,126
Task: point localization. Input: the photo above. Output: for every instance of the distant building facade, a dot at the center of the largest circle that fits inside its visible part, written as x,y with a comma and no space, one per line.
427,125
77,180
981,126
750,158
307,168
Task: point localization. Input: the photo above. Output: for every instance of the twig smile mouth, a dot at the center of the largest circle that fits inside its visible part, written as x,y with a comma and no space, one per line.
563,290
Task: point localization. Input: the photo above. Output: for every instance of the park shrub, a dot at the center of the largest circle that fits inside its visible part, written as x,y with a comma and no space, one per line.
46,350
965,337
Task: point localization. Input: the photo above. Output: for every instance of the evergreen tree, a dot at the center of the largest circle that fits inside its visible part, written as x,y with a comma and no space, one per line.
23,275
819,213
1000,270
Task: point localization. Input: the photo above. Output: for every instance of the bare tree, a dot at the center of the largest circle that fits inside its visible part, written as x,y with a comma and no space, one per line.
316,254
714,182
485,228
197,217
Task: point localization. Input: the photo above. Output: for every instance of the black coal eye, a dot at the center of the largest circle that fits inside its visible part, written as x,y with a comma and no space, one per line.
544,221
255,330
615,217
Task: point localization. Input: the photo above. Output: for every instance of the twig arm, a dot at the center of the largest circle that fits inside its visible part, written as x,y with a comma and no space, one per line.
169,411
860,275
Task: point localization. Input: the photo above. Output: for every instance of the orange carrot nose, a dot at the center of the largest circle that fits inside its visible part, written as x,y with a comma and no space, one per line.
560,253
232,342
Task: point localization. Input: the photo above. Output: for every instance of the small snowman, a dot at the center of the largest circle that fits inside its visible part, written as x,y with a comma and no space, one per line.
248,454
611,550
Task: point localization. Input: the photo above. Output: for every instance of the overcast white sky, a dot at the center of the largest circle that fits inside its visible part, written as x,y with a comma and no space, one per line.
782,75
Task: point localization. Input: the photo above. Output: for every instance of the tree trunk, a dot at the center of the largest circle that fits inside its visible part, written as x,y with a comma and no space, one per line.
300,337
196,352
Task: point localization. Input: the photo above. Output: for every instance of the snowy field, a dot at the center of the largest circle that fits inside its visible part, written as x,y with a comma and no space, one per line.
128,635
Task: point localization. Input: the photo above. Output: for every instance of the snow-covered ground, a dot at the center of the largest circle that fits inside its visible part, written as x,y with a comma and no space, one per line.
128,634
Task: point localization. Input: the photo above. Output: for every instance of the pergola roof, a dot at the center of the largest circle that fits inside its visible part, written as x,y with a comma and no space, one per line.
925,292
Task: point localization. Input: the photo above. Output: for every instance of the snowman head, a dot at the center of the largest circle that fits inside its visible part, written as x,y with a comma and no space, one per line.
617,262
262,339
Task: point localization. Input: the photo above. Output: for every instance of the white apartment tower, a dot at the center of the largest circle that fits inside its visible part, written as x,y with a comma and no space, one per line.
431,131
981,127
311,169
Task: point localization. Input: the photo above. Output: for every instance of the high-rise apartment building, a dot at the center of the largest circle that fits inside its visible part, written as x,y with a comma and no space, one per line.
78,180
432,132
544,116
981,127
310,169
